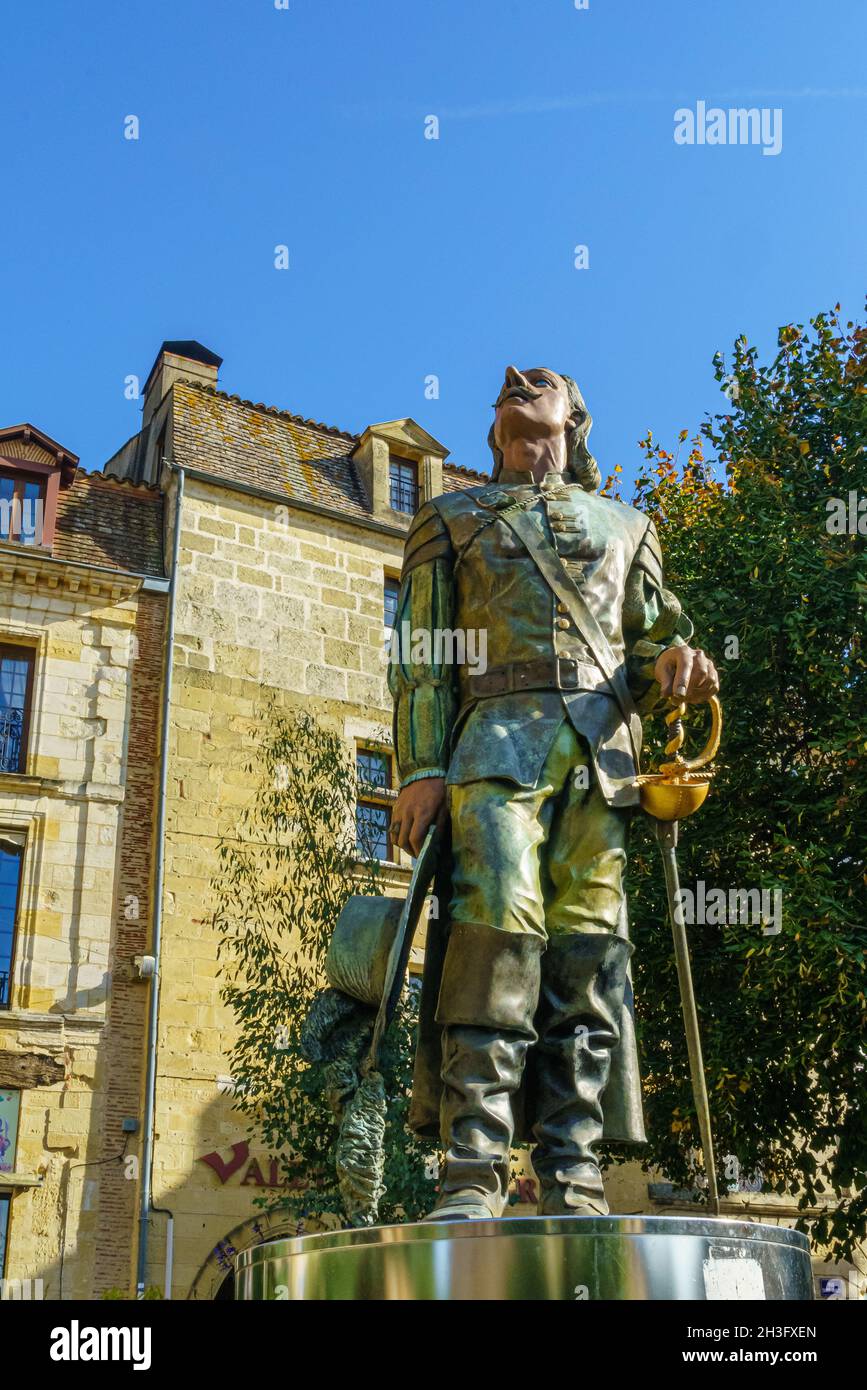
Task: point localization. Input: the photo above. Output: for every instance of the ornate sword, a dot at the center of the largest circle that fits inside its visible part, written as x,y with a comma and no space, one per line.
667,796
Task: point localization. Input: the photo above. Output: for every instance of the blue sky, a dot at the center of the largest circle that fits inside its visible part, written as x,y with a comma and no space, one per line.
411,257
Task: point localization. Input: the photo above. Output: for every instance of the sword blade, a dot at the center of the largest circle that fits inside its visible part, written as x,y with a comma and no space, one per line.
666,834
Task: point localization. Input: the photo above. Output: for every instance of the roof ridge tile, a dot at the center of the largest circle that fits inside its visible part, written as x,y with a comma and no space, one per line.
208,390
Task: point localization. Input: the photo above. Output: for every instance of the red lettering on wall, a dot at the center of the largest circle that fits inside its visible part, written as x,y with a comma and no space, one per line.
240,1154
253,1176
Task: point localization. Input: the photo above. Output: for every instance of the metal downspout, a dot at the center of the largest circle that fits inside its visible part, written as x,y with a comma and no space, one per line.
159,871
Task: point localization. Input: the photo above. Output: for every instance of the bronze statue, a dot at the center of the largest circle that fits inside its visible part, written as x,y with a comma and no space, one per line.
532,763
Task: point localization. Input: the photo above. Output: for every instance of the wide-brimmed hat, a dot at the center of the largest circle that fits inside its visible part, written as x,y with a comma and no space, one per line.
373,936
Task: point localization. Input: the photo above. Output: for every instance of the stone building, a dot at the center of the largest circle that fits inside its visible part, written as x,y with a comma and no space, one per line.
290,546
82,599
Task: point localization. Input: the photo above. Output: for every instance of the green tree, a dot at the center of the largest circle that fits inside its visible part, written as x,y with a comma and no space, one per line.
280,887
750,527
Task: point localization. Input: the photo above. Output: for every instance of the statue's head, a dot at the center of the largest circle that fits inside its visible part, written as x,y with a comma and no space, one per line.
539,404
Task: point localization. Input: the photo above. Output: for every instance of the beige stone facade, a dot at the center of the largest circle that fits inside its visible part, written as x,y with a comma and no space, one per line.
272,603
268,607
93,637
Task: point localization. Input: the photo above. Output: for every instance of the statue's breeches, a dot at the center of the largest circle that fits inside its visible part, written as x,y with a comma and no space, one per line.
545,860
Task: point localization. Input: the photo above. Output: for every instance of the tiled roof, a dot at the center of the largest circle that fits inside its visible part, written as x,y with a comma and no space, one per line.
240,441
457,479
101,521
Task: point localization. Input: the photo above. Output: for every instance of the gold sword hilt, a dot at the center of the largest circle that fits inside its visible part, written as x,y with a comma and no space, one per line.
675,791
674,719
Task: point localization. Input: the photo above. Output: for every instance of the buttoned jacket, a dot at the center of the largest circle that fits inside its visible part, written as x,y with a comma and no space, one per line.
506,658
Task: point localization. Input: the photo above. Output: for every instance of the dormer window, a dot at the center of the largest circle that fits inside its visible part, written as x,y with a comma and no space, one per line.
34,471
400,466
403,484
22,508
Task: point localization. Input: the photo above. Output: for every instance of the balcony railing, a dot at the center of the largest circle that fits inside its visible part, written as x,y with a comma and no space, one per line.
11,727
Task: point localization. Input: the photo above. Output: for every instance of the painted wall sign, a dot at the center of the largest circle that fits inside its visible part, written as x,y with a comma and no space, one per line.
258,1172
9,1106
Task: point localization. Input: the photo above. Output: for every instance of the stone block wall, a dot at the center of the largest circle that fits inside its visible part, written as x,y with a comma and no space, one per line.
93,640
272,604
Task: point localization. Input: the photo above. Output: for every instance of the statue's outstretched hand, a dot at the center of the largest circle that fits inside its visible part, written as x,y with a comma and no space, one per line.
416,809
686,674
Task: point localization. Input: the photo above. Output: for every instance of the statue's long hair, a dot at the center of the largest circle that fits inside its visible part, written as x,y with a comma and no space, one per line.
582,466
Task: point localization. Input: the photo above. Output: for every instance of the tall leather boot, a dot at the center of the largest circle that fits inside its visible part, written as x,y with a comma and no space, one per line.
487,999
581,997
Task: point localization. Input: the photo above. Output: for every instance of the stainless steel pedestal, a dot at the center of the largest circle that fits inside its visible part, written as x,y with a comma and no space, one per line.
533,1257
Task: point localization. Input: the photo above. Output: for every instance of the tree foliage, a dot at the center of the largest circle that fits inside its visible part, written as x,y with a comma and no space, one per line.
777,596
280,888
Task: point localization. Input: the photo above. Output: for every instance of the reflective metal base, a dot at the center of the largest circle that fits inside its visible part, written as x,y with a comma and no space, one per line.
534,1257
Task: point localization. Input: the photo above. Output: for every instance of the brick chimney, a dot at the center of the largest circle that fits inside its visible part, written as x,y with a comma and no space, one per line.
180,359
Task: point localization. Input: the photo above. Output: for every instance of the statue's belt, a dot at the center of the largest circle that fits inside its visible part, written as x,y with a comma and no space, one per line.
555,574
545,673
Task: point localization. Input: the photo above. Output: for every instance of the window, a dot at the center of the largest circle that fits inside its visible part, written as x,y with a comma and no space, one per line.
372,831
374,769
34,470
390,594
16,681
403,482
373,807
10,892
22,502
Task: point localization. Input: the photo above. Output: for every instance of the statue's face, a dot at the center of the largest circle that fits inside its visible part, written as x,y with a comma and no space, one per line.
533,404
